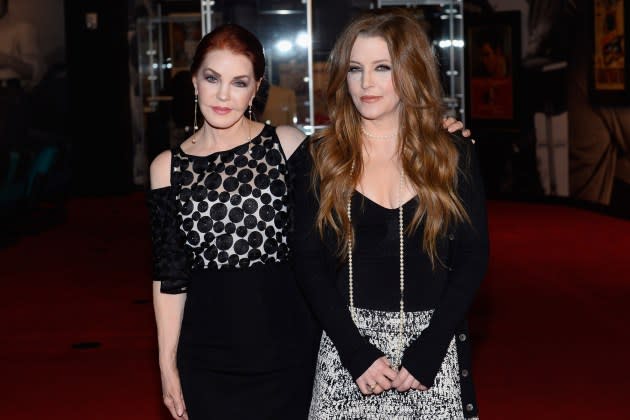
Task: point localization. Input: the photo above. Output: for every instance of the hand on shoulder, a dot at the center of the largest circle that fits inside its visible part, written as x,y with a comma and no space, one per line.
290,138
452,125
160,170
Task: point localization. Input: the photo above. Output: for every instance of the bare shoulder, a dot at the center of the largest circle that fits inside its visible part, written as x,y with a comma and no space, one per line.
290,138
160,170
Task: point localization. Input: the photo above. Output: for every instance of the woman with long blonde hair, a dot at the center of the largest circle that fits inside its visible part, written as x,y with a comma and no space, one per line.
391,237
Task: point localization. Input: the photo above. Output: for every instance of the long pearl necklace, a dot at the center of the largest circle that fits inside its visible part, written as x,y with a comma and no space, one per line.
374,136
399,350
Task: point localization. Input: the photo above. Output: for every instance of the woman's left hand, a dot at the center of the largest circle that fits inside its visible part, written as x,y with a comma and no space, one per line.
405,381
377,378
452,125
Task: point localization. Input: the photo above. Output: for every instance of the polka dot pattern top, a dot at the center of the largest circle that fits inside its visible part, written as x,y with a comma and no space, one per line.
233,203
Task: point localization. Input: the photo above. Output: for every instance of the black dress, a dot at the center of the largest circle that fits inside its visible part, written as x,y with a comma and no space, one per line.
248,341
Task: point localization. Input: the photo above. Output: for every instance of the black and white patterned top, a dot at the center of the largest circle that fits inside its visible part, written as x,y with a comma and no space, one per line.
233,203
220,234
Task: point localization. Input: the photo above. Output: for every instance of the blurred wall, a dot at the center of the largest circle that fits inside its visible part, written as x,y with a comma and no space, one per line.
48,18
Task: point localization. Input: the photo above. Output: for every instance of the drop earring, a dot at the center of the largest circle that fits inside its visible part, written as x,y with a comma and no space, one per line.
250,112
195,126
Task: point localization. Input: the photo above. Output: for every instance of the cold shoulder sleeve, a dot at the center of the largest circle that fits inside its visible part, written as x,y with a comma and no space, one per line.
171,265
315,266
424,357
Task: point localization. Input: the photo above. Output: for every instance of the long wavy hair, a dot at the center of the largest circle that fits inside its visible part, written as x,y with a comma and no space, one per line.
429,157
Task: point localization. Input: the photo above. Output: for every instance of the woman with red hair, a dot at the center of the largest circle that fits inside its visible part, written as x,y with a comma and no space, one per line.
235,337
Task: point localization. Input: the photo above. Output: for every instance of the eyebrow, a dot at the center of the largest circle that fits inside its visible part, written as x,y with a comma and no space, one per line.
243,76
383,60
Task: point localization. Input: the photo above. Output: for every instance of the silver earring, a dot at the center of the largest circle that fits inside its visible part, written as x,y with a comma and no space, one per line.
250,112
195,126
196,106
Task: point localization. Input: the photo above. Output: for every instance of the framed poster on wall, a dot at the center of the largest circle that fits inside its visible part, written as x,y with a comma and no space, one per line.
610,73
493,56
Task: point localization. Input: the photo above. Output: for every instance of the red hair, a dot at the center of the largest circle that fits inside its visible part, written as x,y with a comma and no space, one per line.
234,38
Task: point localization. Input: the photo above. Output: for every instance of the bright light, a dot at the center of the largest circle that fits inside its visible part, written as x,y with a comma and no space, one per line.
303,40
446,43
284,46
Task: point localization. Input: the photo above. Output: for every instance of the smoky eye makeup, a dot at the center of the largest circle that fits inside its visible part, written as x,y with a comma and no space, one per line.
241,82
380,65
210,75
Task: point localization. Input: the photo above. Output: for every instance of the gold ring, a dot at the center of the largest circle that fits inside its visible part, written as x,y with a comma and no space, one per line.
372,387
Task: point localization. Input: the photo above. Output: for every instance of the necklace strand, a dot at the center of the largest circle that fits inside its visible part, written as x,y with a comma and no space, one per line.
374,136
399,350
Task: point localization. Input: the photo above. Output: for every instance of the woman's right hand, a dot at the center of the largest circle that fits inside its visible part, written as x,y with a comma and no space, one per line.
172,392
377,378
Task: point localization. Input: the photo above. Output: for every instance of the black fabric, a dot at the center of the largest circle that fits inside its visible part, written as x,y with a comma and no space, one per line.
278,395
376,260
316,269
464,356
468,268
448,290
248,342
171,262
246,321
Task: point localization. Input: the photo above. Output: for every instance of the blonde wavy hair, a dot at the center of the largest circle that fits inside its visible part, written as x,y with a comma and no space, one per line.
429,157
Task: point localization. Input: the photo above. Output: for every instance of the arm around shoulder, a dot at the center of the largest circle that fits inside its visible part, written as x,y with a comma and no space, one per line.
290,138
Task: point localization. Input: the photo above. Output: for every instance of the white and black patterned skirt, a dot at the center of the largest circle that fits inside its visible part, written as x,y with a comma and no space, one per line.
336,395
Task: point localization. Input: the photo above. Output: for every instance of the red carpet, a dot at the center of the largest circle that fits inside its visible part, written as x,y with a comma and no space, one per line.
549,327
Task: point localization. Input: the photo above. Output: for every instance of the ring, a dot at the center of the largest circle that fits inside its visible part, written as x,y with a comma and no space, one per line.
372,387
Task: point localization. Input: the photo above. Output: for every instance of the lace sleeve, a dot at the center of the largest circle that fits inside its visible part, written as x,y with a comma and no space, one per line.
171,265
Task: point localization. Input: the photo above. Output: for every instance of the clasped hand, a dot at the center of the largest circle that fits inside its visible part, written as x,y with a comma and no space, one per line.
381,377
